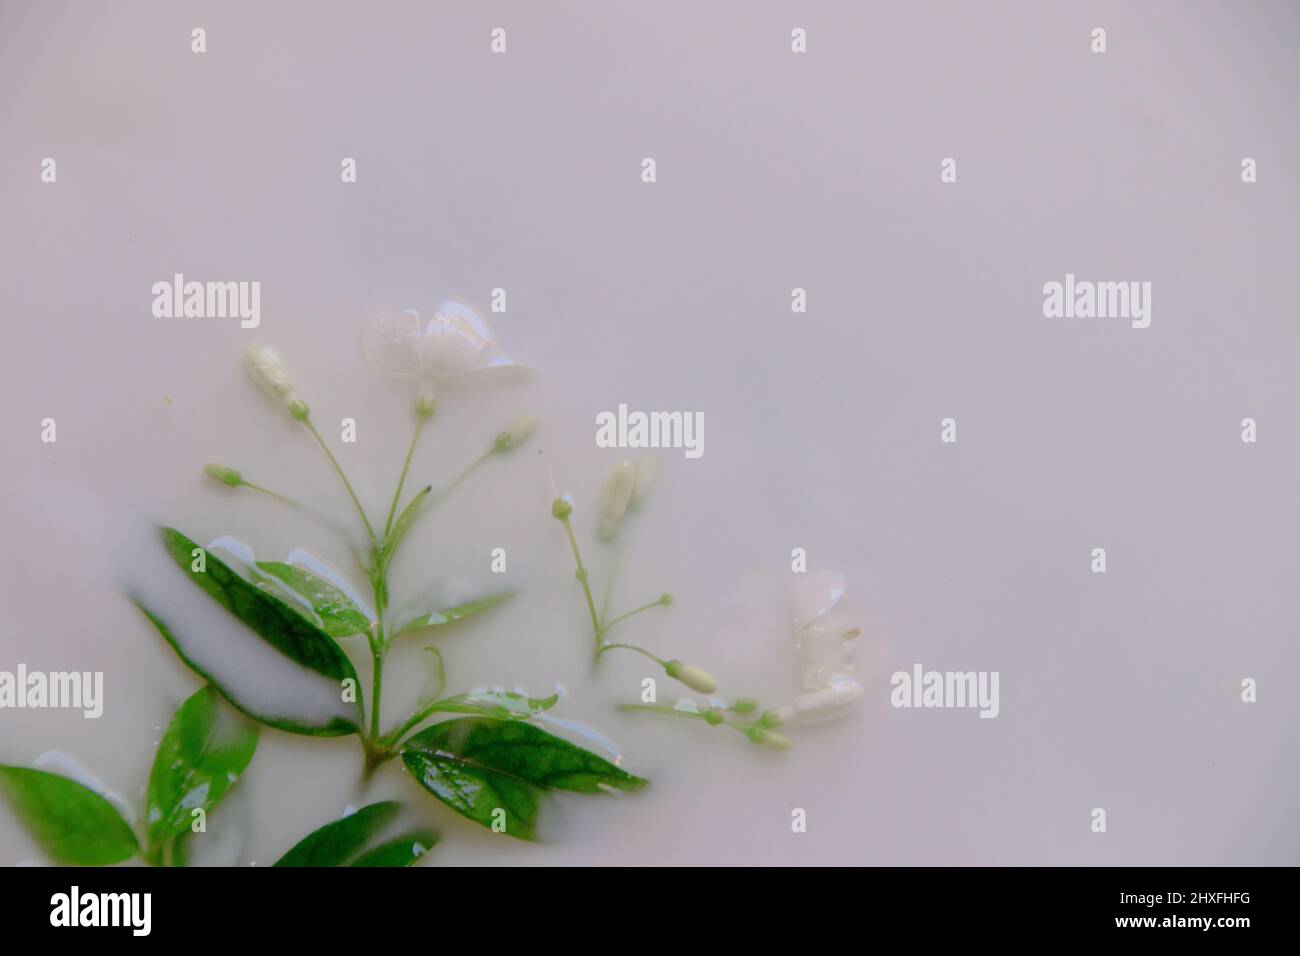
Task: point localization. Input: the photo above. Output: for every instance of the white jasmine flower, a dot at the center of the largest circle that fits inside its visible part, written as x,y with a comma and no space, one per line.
822,632
453,343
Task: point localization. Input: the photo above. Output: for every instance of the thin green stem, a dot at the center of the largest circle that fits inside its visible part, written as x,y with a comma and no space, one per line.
632,647
406,466
344,478
608,625
274,494
586,587
662,709
455,482
614,562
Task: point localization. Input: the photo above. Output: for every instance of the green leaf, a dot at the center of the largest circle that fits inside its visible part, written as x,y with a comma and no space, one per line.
399,851
339,615
205,749
480,766
73,824
503,705
456,612
353,841
281,627
405,520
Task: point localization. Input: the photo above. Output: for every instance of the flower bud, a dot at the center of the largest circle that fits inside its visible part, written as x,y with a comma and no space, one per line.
769,738
836,699
424,400
700,681
770,718
665,599
713,716
515,434
269,371
745,705
618,492
561,509
227,476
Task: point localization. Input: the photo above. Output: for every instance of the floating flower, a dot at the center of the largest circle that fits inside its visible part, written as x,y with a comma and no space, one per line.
822,632
454,343
826,644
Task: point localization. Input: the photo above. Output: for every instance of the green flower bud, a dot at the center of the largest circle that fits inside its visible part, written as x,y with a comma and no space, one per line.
700,681
561,509
299,410
746,705
227,476
424,400
515,434
665,599
769,738
770,718
713,716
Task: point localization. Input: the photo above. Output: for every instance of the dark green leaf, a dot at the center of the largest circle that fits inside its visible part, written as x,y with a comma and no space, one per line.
205,749
456,612
479,766
282,628
500,704
73,824
399,851
339,615
354,841
326,716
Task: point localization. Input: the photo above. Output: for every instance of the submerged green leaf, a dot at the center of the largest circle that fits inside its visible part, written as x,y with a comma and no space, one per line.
354,841
339,615
503,705
495,772
281,627
73,824
456,612
205,749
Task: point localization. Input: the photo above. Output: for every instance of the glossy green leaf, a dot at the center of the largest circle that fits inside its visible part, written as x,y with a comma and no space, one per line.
456,612
280,626
339,615
355,840
503,705
329,719
480,766
204,750
399,851
73,824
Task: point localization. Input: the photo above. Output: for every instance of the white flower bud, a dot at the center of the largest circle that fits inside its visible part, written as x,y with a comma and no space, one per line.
697,679
834,700
269,371
647,472
515,434
618,492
